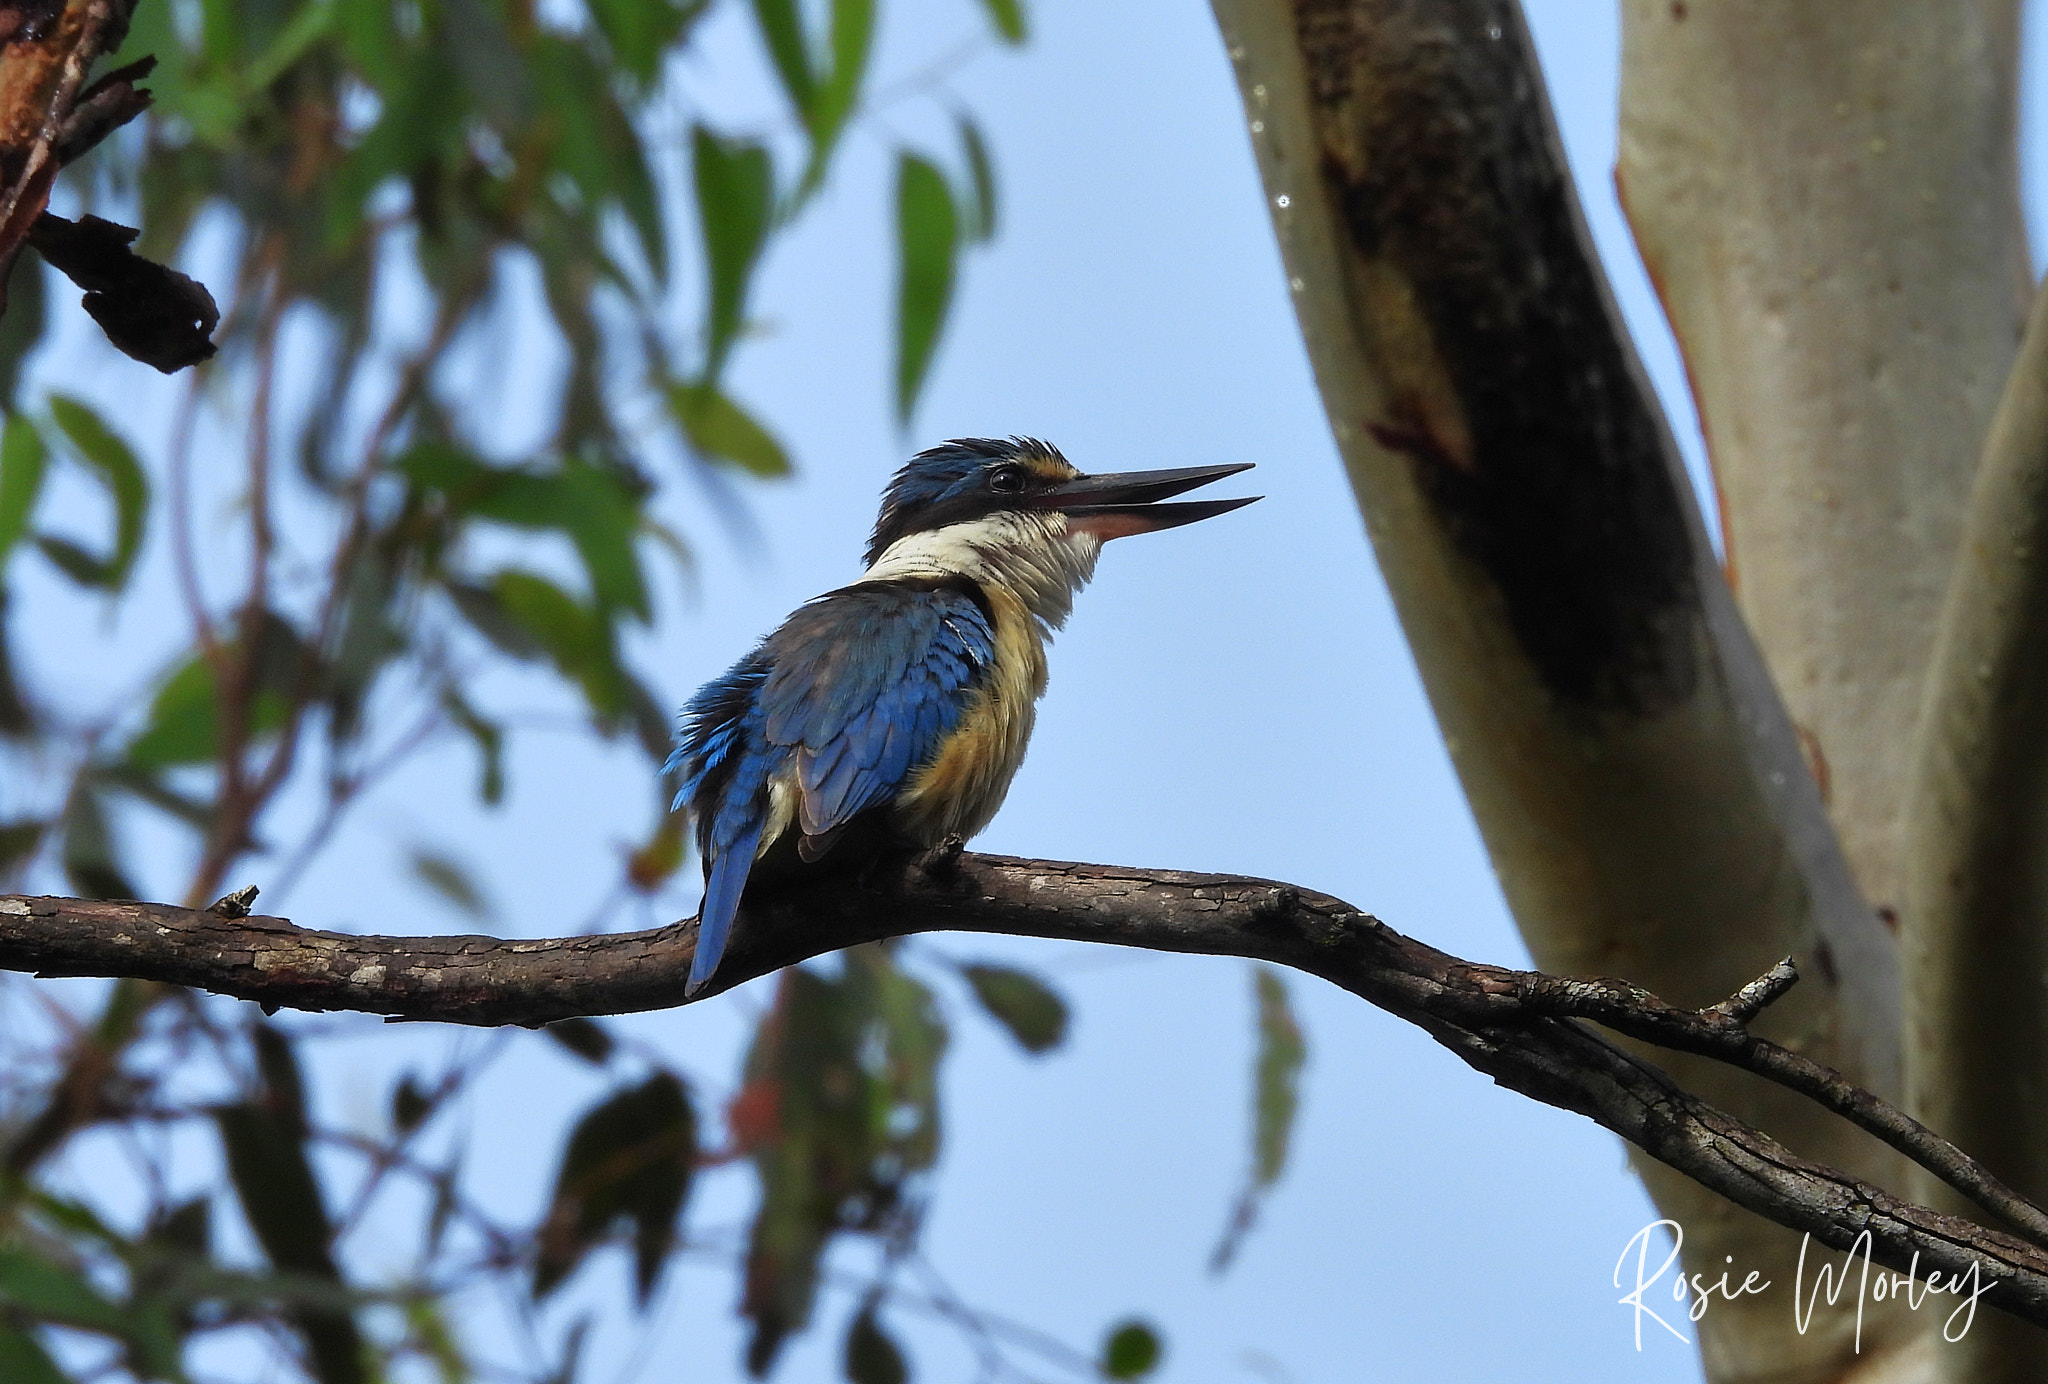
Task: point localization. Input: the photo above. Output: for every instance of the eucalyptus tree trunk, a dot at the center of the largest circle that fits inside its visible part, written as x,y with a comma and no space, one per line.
1644,795
1827,198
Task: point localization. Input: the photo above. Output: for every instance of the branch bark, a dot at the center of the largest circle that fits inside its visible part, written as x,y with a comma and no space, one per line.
1639,786
1520,1028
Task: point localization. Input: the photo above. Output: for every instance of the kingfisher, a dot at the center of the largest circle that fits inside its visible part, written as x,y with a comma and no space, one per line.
893,713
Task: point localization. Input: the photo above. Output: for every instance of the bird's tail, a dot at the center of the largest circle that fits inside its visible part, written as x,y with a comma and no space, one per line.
723,884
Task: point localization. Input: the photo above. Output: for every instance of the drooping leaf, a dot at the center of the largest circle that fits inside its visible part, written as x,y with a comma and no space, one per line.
587,1038
264,1141
450,880
21,479
1276,1080
22,324
852,40
719,429
640,31
782,31
36,1288
981,218
594,507
108,458
184,716
735,183
1132,1350
927,245
576,638
90,855
631,1157
489,738
838,1109
24,1361
1030,1009
18,841
1007,18
871,1357
1282,1053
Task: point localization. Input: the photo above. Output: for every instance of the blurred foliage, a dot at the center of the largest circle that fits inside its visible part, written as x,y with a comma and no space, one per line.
379,179
1276,1096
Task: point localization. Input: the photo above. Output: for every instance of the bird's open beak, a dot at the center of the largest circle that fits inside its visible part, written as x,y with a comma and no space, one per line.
1125,502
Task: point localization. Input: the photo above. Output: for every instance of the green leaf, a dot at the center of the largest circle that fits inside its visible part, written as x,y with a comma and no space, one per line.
928,243
18,842
640,31
853,39
838,1110
871,1357
24,1361
782,31
735,182
1131,1351
480,606
265,1144
489,737
721,430
1006,17
1030,1009
184,716
22,326
577,638
111,460
630,1157
50,1292
89,850
1282,1053
1276,1079
449,879
981,180
587,1038
21,479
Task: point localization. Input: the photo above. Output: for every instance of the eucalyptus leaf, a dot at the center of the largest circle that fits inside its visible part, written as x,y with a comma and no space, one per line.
928,244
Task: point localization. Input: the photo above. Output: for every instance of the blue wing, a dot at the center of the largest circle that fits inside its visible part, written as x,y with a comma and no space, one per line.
858,689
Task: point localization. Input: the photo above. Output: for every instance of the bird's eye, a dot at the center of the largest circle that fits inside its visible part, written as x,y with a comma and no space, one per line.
1007,480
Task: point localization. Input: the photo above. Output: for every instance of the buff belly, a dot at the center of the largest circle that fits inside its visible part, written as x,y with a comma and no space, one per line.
958,791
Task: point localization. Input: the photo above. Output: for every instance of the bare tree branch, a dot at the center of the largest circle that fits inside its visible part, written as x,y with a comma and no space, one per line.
1518,1027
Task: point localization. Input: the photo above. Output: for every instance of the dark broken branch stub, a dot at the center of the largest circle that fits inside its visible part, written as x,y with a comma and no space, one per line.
148,310
50,116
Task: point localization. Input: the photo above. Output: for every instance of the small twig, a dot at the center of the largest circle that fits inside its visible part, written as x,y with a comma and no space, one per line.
1752,999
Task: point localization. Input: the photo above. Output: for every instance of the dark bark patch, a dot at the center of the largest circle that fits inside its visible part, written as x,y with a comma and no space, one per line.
1440,157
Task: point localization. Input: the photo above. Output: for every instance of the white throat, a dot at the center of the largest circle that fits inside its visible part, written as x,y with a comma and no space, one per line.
1032,555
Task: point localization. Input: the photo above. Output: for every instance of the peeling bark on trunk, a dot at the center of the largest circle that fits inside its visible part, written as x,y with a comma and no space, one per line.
1641,791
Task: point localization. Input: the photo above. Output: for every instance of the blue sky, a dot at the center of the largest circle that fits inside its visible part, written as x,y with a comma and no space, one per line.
1231,697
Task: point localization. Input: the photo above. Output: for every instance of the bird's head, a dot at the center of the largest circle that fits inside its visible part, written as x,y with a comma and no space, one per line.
1021,484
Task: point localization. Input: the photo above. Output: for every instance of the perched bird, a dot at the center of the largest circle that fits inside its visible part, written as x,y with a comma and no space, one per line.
894,712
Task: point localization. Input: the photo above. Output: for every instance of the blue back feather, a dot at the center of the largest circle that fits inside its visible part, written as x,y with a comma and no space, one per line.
858,690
